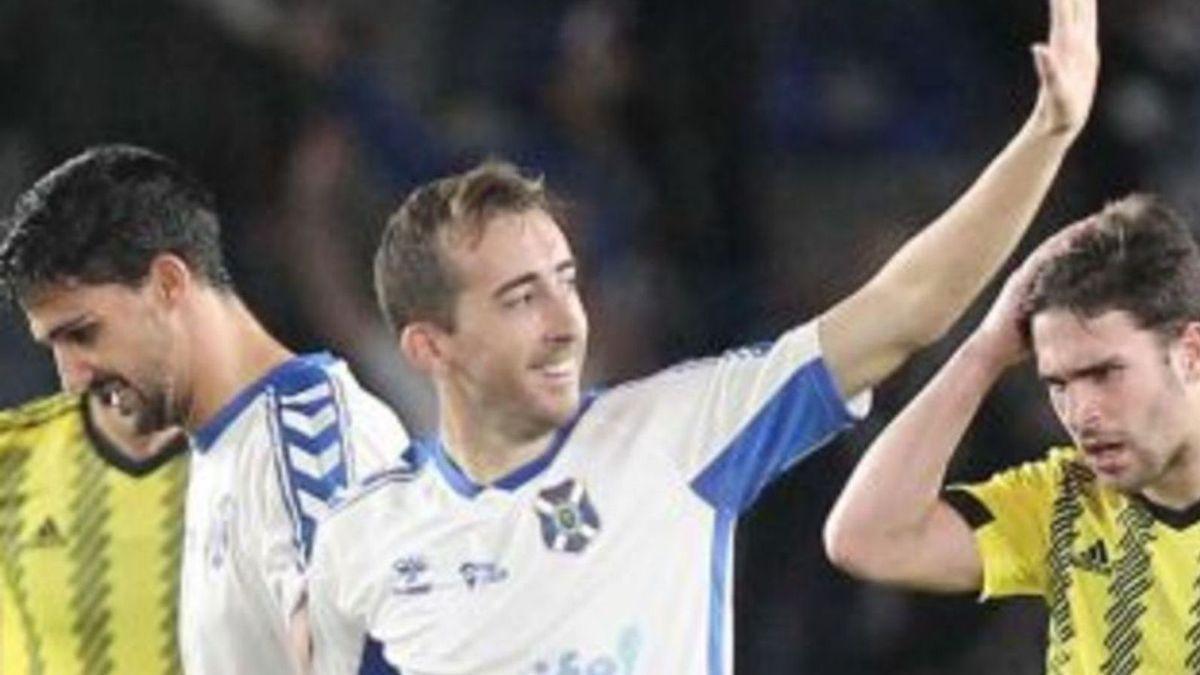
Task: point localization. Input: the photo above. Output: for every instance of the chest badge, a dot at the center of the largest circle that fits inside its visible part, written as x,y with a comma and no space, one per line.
569,521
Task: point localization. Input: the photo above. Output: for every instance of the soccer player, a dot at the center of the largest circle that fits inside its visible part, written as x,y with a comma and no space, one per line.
1106,531
115,259
545,531
91,520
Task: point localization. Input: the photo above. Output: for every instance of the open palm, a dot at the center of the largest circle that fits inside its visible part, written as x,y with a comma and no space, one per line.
1068,64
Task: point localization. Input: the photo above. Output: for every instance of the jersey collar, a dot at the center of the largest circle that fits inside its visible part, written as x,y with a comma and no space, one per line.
1177,519
433,448
207,435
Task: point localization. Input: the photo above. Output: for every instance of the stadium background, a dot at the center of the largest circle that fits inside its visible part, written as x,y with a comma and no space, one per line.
734,167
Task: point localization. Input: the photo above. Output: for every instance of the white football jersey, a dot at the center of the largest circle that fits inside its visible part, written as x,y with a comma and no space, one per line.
262,473
608,555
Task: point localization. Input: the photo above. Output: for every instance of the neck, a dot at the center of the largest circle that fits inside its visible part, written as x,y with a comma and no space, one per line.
488,449
232,351
1179,485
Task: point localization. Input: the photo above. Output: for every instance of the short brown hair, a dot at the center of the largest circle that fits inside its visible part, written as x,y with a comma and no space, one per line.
1139,257
413,279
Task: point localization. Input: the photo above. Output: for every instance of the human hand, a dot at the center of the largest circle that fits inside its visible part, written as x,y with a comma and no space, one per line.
1068,64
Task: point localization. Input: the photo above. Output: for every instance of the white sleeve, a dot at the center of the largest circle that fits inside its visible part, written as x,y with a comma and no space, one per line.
280,554
337,639
330,434
377,438
735,422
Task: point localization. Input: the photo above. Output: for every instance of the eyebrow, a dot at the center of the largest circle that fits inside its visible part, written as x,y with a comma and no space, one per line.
530,277
57,332
1076,373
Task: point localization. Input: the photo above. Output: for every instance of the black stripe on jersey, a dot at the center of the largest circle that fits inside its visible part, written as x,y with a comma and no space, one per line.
1127,592
172,523
90,563
972,510
1193,633
1068,507
13,474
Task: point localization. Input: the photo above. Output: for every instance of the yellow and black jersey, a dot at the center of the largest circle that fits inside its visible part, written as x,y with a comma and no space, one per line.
1120,576
89,547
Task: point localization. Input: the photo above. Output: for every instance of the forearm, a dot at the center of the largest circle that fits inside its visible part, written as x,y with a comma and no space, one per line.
882,525
929,283
937,274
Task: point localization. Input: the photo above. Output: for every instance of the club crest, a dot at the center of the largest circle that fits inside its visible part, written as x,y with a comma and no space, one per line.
569,521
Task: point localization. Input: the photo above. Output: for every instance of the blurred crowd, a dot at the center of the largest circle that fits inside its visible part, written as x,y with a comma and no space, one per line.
732,167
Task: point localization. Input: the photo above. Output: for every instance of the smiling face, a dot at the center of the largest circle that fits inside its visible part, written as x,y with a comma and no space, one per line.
112,341
516,350
1121,391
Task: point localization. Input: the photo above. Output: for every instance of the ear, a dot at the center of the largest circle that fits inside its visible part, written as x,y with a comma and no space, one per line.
170,278
1189,348
423,344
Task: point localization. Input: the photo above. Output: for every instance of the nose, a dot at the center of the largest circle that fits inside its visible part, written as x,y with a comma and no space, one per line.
565,320
1082,406
75,371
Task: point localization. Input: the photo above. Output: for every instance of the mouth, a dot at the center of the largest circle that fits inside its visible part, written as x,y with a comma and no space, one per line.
1105,456
557,370
116,393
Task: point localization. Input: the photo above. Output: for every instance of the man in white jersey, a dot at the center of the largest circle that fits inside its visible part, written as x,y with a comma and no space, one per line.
544,532
115,258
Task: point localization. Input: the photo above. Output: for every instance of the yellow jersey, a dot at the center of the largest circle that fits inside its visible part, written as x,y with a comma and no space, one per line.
90,547
1120,576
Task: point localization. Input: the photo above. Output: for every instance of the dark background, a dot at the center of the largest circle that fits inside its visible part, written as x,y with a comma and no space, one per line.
735,167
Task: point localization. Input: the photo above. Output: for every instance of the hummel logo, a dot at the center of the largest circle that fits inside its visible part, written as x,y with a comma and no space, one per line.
1093,558
47,535
412,571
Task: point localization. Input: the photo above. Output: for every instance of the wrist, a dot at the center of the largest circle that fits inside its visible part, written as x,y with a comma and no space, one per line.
1048,127
990,354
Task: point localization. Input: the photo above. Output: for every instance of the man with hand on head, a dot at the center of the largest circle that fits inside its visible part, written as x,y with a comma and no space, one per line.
1104,531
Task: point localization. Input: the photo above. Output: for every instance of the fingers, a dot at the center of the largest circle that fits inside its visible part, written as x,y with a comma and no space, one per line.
1058,18
1088,17
1060,242
1072,18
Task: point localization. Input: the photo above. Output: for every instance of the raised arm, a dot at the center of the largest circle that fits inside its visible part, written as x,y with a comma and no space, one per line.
930,282
890,524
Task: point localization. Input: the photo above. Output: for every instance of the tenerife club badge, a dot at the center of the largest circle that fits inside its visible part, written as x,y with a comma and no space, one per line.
569,521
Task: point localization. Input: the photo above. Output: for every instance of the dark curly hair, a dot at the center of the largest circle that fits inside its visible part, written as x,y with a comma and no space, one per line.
1140,257
103,216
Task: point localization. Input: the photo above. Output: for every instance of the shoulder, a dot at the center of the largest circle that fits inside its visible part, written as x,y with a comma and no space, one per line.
324,390
388,486
363,519
1059,465
40,413
1065,466
1059,475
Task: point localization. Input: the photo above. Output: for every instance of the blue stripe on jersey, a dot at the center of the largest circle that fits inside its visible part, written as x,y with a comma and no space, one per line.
718,593
207,435
373,661
803,415
312,454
